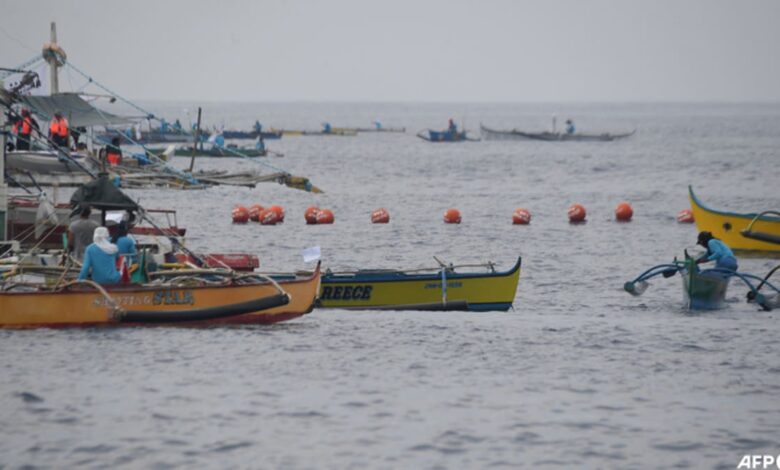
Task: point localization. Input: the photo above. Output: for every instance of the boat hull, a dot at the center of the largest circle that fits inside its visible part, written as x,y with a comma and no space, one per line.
251,135
396,290
727,226
45,162
703,290
84,306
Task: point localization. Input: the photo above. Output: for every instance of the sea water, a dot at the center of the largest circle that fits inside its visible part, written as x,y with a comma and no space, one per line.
578,374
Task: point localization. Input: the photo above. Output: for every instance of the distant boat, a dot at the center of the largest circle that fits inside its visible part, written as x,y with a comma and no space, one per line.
252,135
443,136
514,134
212,151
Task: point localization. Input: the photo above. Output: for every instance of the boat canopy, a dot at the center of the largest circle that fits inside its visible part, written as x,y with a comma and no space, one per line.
73,107
103,195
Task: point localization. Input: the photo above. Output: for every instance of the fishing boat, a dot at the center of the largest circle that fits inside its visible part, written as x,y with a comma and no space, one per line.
211,151
562,136
189,297
704,289
443,136
440,288
493,134
740,231
252,135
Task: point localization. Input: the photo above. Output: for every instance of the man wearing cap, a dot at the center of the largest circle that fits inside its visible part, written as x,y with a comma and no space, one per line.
59,130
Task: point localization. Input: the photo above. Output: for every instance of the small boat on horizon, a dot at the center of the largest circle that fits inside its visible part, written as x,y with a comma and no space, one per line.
515,134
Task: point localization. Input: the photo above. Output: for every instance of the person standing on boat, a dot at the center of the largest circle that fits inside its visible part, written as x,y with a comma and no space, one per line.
114,152
80,233
716,251
100,259
452,127
570,129
258,127
23,130
260,144
327,129
59,130
163,126
177,126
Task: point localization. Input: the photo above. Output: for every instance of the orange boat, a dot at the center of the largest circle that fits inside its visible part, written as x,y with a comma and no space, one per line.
187,297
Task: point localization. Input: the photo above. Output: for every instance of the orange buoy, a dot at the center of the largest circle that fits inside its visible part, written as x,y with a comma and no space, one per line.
311,214
380,216
685,216
254,212
279,212
269,217
576,213
240,215
521,217
452,216
325,216
624,212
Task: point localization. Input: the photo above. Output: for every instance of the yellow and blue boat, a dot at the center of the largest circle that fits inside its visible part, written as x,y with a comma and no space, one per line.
741,232
432,289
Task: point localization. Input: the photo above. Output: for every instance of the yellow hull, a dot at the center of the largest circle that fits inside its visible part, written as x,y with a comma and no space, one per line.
727,226
85,306
399,290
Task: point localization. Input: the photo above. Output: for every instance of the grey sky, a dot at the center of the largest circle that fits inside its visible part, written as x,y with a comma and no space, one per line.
406,50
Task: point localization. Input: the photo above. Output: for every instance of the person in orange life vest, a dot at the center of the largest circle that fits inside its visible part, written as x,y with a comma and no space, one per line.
113,152
59,130
23,130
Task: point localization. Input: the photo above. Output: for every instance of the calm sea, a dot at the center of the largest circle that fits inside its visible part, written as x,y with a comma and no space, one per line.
578,375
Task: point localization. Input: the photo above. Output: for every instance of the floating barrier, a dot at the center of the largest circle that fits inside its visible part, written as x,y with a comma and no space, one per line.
270,216
452,216
279,210
576,213
521,217
624,212
254,212
325,216
380,216
310,214
240,215
685,216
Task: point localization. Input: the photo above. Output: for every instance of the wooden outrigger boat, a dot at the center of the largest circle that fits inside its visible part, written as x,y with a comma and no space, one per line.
252,135
211,151
429,289
703,289
444,136
514,134
742,232
190,297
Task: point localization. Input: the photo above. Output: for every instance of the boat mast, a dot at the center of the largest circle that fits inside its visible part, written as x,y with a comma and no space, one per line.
55,56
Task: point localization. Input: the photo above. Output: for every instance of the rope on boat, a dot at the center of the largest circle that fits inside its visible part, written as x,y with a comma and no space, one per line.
29,63
91,80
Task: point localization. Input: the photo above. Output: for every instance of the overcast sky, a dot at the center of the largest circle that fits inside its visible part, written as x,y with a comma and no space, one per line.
411,50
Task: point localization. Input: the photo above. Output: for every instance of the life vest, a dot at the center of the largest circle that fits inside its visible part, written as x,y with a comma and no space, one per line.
113,157
59,127
23,127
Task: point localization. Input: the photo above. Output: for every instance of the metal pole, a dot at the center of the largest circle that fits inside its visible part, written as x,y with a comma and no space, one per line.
53,75
197,141
3,186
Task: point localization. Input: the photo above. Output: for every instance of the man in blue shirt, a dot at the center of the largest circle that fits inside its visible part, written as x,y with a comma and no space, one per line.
716,251
100,260
570,129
